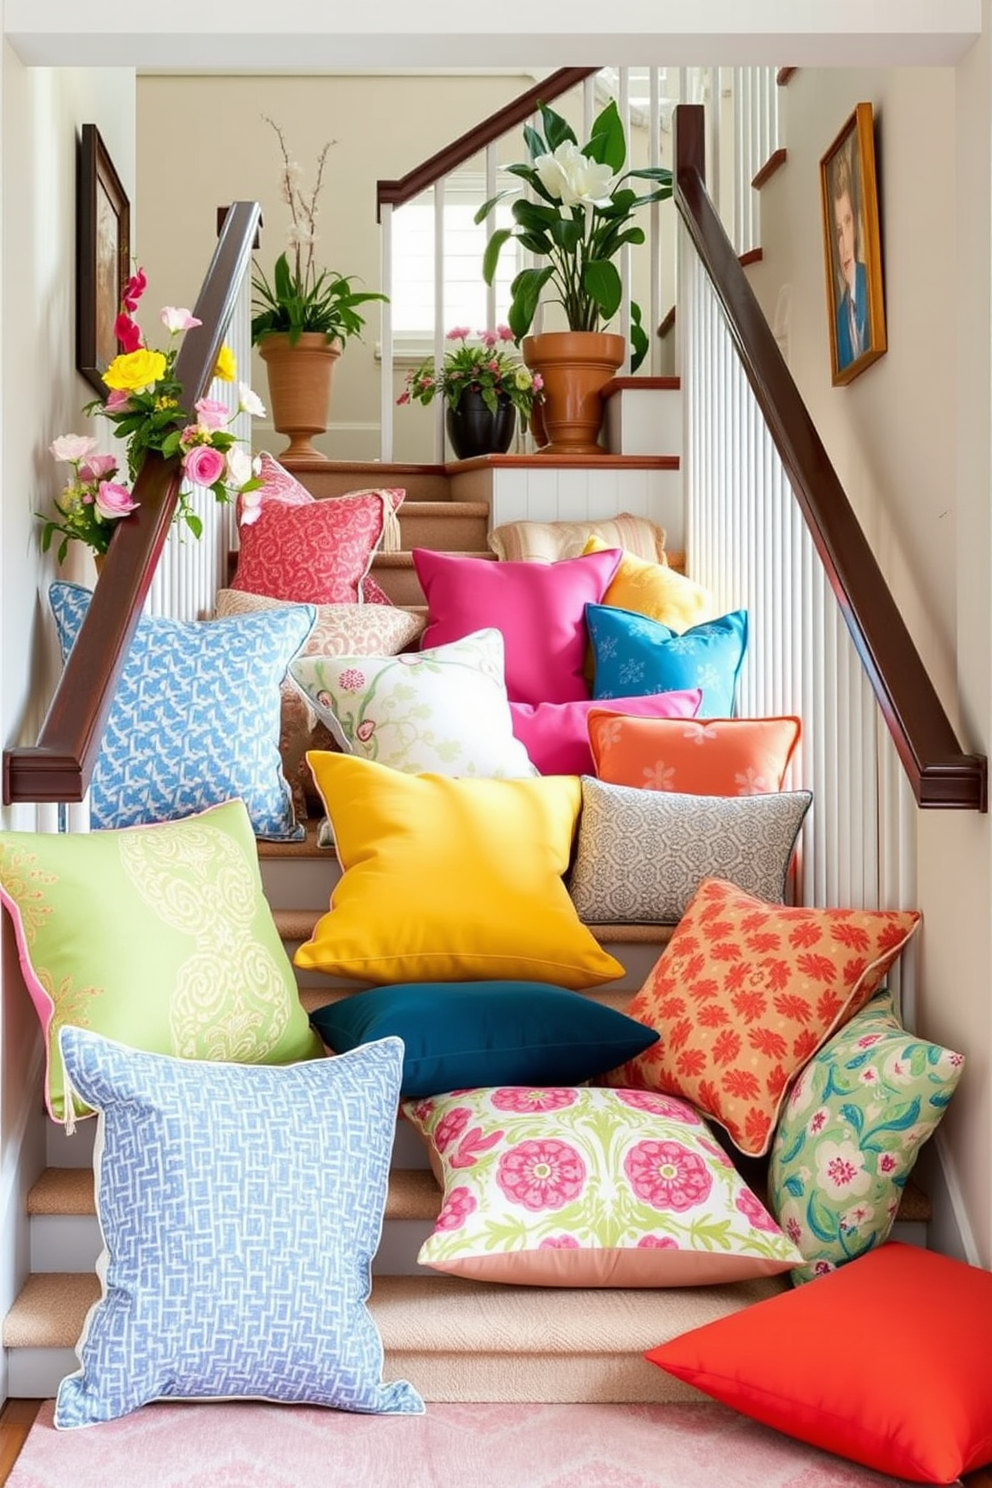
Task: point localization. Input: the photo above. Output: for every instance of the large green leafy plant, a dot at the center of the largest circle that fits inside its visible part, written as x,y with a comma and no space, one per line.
300,297
579,216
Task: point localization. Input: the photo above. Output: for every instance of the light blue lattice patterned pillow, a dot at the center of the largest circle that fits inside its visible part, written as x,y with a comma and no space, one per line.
635,656
240,1208
196,716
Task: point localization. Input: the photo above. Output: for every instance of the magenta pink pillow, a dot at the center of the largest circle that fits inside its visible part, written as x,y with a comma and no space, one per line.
539,607
556,735
296,548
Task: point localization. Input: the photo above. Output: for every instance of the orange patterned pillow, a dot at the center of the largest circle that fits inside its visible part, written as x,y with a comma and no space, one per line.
744,995
698,757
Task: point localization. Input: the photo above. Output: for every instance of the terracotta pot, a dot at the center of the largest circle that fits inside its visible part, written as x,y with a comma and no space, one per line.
474,430
299,388
575,366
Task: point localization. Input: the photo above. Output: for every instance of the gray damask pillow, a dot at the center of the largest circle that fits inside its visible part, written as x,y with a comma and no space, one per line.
642,854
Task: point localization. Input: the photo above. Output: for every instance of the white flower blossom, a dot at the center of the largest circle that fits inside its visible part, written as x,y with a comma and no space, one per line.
71,447
250,402
573,178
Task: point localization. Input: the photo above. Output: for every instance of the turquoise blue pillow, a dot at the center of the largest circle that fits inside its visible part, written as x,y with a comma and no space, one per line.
240,1208
462,1034
634,656
196,716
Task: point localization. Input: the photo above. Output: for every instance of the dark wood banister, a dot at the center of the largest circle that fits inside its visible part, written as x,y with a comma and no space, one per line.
940,773
59,766
474,140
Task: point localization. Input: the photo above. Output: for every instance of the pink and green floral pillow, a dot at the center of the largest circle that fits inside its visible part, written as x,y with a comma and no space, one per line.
850,1132
585,1186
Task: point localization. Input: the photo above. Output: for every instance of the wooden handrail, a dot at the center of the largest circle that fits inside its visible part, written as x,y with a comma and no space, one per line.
59,766
940,773
422,176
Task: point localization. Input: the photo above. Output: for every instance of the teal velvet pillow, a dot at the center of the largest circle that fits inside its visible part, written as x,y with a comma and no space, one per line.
461,1034
634,655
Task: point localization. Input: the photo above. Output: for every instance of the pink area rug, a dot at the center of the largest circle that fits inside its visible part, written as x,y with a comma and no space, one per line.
248,1445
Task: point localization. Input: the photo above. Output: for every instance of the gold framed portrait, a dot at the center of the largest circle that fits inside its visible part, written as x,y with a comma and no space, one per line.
852,248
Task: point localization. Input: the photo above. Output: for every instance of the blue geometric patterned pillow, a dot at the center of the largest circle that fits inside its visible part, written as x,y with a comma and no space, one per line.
635,656
196,716
240,1206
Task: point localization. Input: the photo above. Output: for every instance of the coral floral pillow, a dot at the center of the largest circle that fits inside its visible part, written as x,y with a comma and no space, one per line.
708,757
744,995
588,1187
298,549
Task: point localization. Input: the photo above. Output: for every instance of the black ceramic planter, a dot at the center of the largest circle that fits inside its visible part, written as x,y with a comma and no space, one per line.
474,430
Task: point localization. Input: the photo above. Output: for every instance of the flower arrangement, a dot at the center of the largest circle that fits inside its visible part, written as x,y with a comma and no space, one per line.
485,367
144,408
581,218
300,297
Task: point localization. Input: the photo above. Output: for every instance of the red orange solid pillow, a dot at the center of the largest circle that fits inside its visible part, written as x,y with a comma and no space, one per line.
704,757
885,1362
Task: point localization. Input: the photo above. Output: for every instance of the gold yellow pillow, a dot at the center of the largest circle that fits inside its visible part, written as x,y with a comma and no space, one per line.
451,880
655,590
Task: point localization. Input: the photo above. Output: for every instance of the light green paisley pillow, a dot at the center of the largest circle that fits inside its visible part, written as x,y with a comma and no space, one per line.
442,710
157,936
589,1187
849,1134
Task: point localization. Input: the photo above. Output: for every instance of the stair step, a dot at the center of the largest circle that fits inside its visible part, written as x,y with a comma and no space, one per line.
453,1339
447,526
398,577
338,477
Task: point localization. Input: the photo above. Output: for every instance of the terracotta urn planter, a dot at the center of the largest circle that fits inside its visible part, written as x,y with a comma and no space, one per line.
575,366
299,388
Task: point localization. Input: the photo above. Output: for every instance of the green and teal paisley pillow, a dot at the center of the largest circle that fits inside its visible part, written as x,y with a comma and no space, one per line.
850,1132
583,1186
157,936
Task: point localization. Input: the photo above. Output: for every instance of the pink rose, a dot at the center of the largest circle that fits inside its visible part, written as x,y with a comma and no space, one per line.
204,465
98,468
117,401
114,501
211,414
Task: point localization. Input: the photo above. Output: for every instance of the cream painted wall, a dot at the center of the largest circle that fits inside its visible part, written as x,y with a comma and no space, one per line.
910,441
42,110
382,128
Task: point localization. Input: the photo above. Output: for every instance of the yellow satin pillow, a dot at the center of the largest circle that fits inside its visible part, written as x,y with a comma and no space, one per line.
655,590
451,880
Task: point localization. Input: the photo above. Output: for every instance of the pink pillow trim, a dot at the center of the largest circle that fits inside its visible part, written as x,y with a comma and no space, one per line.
556,735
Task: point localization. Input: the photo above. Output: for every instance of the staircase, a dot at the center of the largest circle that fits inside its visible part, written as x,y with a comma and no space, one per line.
455,1340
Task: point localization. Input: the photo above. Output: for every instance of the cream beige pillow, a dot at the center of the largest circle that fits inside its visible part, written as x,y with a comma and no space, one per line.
340,630
547,542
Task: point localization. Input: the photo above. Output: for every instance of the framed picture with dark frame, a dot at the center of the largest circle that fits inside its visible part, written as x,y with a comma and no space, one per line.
103,256
852,248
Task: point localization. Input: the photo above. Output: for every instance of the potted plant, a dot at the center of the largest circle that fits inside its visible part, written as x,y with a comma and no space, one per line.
581,215
483,386
303,317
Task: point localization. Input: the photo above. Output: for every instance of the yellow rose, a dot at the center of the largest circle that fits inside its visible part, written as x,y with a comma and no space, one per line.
226,367
135,370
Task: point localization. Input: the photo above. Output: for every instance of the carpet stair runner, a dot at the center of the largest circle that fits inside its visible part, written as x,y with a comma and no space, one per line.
455,1340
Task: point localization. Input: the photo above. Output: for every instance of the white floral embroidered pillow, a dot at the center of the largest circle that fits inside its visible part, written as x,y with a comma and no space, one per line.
850,1132
589,1187
339,630
443,710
